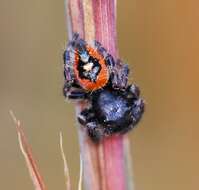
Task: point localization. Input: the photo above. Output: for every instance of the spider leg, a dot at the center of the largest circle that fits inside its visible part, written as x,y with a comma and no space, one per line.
71,89
108,58
75,36
77,44
68,67
137,110
86,116
77,95
87,119
110,62
72,92
98,47
118,70
133,95
95,132
119,75
132,92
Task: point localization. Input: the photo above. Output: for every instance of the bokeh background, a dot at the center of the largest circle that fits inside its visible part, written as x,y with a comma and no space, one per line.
159,40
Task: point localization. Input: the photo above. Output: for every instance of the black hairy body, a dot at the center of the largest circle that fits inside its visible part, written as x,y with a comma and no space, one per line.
93,75
112,111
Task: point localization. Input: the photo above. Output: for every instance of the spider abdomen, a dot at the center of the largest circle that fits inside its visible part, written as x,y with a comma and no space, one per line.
112,109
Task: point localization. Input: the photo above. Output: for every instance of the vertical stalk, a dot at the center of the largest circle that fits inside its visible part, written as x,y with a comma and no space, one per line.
106,165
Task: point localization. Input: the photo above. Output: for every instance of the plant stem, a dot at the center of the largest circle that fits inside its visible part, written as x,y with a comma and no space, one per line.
106,165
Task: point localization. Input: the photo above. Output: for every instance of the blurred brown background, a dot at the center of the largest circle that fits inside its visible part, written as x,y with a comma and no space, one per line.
159,40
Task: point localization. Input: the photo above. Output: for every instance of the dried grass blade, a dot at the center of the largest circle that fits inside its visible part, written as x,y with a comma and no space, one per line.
81,174
27,153
66,170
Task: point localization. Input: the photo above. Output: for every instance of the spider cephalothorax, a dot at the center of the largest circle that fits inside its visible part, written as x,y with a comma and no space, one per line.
90,67
92,74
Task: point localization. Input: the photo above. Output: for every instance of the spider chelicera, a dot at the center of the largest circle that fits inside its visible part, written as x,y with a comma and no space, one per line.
92,74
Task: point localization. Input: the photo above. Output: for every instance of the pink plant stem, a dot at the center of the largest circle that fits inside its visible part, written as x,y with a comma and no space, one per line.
105,164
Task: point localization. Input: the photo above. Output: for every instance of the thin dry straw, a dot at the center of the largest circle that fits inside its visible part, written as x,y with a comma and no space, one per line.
66,169
81,174
31,163
27,153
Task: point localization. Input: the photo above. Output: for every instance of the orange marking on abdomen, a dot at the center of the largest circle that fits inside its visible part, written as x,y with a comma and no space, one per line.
102,77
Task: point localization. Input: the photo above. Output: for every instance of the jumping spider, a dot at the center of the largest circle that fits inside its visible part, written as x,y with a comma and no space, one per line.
92,74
